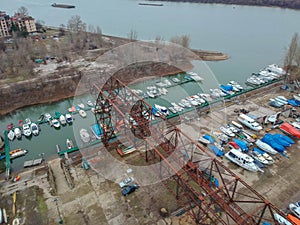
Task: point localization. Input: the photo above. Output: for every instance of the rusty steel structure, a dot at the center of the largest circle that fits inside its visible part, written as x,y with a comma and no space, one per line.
187,169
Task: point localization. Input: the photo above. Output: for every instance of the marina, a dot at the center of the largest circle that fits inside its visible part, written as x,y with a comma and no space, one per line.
81,116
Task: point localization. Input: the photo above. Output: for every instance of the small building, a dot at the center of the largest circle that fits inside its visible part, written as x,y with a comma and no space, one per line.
24,22
5,24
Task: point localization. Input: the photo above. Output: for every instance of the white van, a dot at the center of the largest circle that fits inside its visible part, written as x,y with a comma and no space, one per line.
249,122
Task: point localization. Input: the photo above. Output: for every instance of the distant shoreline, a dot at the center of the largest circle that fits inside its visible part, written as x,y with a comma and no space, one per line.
267,3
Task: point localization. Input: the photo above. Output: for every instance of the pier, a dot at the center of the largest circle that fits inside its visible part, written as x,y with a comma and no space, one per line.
7,155
34,162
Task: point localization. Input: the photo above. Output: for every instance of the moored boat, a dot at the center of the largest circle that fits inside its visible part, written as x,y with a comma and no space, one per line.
55,123
69,118
17,153
48,117
69,144
34,129
82,113
26,130
11,135
62,120
84,135
27,120
97,130
90,103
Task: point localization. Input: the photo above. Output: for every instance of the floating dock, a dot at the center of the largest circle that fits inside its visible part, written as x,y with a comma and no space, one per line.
34,162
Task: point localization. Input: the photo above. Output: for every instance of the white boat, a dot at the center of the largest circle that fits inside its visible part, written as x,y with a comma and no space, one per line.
295,210
27,120
265,155
69,118
150,94
17,153
281,220
259,157
26,130
295,124
4,215
236,124
281,100
236,85
162,109
11,135
69,144
175,80
90,103
265,147
203,140
195,76
221,136
227,131
296,97
34,129
232,128
172,110
81,105
62,119
82,113
276,69
18,132
16,221
48,117
55,123
84,135
249,122
242,159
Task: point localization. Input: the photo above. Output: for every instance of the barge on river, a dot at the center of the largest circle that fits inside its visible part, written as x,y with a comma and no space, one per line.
65,6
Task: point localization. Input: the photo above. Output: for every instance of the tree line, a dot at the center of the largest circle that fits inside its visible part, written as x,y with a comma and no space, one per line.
293,4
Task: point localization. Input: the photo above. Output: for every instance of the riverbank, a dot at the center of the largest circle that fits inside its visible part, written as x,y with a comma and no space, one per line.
56,81
267,3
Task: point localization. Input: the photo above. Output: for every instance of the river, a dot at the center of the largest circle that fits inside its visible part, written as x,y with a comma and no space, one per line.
252,36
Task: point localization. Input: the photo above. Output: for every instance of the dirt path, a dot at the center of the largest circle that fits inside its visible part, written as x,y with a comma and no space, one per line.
60,180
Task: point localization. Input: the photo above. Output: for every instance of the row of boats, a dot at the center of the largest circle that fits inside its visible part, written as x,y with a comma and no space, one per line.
240,141
270,73
28,128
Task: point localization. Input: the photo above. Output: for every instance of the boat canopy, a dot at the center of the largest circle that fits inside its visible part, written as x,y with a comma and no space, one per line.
242,145
209,138
226,87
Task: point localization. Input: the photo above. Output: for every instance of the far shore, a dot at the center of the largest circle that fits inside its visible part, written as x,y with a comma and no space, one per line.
60,84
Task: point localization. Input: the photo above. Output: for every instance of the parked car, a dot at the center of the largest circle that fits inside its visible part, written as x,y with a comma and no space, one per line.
126,182
129,189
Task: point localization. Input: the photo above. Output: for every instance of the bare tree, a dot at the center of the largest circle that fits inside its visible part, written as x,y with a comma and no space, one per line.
183,40
23,10
132,35
75,24
62,30
292,50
